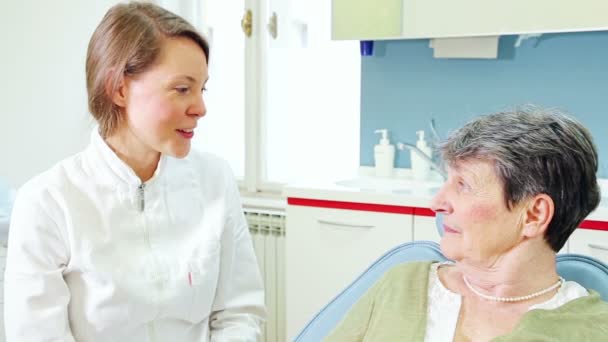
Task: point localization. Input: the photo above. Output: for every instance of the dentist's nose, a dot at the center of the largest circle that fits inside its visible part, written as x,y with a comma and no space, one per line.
198,108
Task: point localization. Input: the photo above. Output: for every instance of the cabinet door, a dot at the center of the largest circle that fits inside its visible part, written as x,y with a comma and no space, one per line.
366,19
589,242
326,249
467,18
412,19
425,229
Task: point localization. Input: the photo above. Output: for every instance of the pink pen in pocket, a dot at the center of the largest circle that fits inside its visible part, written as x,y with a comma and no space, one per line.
194,273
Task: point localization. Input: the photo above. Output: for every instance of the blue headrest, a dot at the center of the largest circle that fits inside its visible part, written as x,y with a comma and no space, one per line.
439,223
587,271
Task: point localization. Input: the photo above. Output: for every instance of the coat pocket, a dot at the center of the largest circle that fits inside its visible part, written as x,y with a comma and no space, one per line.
203,273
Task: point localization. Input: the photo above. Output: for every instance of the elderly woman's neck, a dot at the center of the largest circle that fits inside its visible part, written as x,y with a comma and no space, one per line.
525,269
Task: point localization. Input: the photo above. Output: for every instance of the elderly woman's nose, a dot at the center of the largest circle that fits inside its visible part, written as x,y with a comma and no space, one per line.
439,203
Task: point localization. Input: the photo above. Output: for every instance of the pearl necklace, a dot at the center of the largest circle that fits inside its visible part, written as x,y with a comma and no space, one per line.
560,281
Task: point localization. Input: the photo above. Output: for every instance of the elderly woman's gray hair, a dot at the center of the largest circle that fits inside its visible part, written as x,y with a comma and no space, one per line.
535,151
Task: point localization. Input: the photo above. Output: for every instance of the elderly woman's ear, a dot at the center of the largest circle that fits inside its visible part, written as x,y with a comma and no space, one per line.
538,214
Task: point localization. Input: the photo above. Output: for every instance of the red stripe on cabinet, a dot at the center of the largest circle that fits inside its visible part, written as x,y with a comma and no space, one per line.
595,225
424,212
382,208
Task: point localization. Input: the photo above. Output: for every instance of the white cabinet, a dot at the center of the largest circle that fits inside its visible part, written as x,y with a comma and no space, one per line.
439,18
424,228
326,249
384,19
366,19
590,242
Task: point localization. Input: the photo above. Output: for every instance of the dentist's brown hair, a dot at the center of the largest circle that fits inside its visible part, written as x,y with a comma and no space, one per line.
127,42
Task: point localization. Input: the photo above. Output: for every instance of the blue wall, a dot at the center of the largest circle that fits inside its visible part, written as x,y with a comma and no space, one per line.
403,86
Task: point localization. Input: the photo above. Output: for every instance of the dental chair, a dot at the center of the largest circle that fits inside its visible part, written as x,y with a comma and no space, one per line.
589,272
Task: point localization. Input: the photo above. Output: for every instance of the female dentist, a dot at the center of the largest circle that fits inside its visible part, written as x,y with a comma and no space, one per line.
136,238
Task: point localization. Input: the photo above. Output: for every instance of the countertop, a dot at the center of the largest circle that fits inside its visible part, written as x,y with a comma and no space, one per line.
332,192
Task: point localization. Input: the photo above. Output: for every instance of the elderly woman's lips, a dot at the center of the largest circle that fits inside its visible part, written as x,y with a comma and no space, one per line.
447,229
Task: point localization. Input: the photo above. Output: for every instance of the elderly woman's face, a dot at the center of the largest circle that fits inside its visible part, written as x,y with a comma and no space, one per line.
479,227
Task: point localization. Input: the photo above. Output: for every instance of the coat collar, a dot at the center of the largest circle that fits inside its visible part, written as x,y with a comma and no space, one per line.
117,170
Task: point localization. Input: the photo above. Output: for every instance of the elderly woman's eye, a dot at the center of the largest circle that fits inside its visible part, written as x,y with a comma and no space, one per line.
462,185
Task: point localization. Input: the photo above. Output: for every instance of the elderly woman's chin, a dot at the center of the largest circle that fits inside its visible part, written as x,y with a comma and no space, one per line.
451,247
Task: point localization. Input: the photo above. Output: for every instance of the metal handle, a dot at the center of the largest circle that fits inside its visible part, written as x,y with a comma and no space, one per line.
273,26
402,146
247,23
347,225
600,247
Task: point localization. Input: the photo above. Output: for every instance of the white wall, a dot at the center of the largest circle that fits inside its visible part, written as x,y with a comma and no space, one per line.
43,104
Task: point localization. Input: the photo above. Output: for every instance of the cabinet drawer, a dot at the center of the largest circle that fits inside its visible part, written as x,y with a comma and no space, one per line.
326,249
589,242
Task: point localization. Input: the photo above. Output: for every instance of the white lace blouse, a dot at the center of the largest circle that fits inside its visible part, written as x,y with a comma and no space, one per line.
444,306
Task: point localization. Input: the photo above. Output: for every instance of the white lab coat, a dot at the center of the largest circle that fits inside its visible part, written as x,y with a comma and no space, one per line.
92,256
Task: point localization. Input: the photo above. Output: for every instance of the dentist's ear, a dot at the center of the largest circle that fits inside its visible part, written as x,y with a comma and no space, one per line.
117,92
537,216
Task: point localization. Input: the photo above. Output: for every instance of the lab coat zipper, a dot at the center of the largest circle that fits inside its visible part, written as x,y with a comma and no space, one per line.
142,206
142,198
152,331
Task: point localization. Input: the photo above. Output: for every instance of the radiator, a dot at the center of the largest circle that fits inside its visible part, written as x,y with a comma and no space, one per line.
267,229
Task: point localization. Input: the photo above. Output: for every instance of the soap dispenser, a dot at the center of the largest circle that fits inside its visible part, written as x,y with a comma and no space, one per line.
384,155
421,168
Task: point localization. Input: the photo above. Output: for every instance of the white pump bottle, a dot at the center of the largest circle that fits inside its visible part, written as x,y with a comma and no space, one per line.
384,155
421,169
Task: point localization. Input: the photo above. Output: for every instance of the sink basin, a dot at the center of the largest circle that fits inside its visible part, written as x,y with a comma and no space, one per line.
389,185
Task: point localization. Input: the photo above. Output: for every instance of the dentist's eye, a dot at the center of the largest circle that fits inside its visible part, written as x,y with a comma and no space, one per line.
204,89
182,90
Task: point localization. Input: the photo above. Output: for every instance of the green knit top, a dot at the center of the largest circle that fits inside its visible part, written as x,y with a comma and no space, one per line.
395,309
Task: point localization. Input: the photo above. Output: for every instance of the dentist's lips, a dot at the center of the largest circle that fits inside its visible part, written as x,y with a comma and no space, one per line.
450,230
186,133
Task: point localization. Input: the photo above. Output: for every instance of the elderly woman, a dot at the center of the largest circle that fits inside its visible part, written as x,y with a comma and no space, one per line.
519,183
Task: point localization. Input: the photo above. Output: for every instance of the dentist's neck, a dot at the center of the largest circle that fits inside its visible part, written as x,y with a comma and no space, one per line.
139,157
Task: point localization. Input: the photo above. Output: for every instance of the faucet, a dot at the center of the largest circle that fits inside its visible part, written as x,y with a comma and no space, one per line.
402,146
